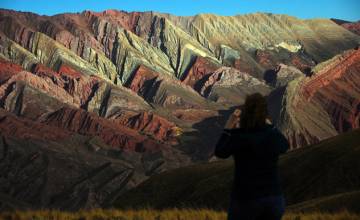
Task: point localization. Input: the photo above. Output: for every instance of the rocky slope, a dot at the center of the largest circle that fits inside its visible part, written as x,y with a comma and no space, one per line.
230,86
351,26
51,113
47,166
116,43
148,92
323,105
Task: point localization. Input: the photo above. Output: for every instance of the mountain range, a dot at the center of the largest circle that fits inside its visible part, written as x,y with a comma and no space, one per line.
94,103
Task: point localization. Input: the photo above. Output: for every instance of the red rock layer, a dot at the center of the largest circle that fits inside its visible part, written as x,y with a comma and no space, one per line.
270,61
73,31
17,127
70,72
140,77
7,70
43,85
78,85
353,27
89,124
45,72
164,90
337,90
68,85
331,72
72,87
199,69
301,64
149,123
104,28
17,26
121,18
264,58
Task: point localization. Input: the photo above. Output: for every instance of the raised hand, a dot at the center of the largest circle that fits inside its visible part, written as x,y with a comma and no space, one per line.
234,120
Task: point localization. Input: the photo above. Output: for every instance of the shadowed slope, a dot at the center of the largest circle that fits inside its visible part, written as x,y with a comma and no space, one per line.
325,169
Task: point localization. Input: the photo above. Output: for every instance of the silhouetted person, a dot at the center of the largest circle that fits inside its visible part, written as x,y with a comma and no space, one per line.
255,145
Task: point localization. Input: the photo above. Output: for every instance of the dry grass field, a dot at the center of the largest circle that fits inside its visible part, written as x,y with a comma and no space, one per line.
148,214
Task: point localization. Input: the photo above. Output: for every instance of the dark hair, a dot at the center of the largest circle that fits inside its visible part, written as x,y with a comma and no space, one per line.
254,112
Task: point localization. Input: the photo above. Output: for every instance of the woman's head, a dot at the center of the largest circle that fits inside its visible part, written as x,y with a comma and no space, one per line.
254,112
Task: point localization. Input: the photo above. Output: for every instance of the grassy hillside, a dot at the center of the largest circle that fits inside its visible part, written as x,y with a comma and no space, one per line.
348,200
329,170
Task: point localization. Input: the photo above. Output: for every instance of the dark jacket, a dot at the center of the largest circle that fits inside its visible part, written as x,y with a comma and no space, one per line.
256,154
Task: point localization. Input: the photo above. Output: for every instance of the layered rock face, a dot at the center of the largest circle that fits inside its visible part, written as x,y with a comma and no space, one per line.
341,74
47,166
353,27
323,105
282,75
115,43
93,103
228,85
51,118
69,97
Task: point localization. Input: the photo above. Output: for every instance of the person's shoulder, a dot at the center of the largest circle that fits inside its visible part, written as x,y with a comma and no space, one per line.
272,129
234,130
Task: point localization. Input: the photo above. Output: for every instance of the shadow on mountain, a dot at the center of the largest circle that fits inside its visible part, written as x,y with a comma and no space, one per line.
201,142
66,176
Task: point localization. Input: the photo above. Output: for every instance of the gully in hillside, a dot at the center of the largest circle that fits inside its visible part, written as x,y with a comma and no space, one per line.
255,145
